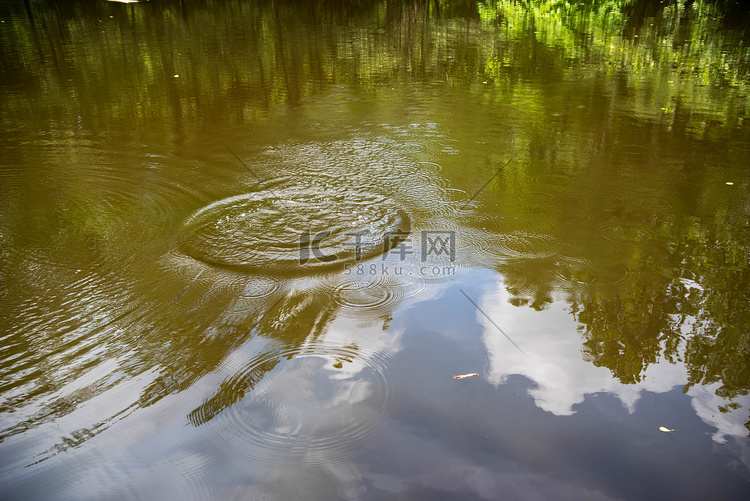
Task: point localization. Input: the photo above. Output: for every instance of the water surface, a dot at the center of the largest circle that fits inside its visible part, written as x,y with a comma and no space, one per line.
247,245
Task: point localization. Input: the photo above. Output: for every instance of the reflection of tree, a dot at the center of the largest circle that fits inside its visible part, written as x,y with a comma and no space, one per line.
268,53
690,304
647,241
626,334
719,349
289,323
704,302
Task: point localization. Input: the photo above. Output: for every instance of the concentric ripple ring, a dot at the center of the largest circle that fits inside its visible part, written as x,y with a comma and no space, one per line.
293,229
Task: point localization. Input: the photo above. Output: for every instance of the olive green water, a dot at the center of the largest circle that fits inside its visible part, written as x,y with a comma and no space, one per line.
247,245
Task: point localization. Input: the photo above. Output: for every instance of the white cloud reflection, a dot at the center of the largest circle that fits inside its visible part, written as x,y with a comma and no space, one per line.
554,361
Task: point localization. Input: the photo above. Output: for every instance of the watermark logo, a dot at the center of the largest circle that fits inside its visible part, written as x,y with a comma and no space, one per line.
433,243
398,245
437,243
306,246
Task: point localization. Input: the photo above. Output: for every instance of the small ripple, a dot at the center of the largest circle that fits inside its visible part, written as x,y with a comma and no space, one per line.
427,175
520,282
259,286
63,253
538,226
610,277
525,244
427,201
575,278
493,248
424,279
654,204
552,180
581,244
537,199
431,166
412,147
624,233
419,288
359,296
194,476
312,404
372,293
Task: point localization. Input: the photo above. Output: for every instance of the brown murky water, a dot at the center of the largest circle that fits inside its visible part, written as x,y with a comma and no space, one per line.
247,245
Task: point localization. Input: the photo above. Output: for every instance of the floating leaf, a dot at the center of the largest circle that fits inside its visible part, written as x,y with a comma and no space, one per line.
464,376
665,429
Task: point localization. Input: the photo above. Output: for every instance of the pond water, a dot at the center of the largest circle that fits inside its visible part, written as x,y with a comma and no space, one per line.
246,247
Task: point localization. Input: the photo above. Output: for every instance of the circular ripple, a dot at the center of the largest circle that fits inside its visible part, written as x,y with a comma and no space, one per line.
654,204
624,233
365,296
570,278
520,283
192,273
493,248
525,244
412,147
556,181
425,278
581,246
420,288
292,229
537,199
368,293
431,166
593,276
309,404
259,286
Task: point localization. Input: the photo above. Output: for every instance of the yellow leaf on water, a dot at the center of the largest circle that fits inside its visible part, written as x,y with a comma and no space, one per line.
664,429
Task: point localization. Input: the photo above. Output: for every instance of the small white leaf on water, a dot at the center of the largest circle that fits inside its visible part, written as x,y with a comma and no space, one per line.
665,429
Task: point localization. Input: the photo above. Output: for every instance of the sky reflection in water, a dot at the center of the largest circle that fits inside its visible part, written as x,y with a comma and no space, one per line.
154,345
